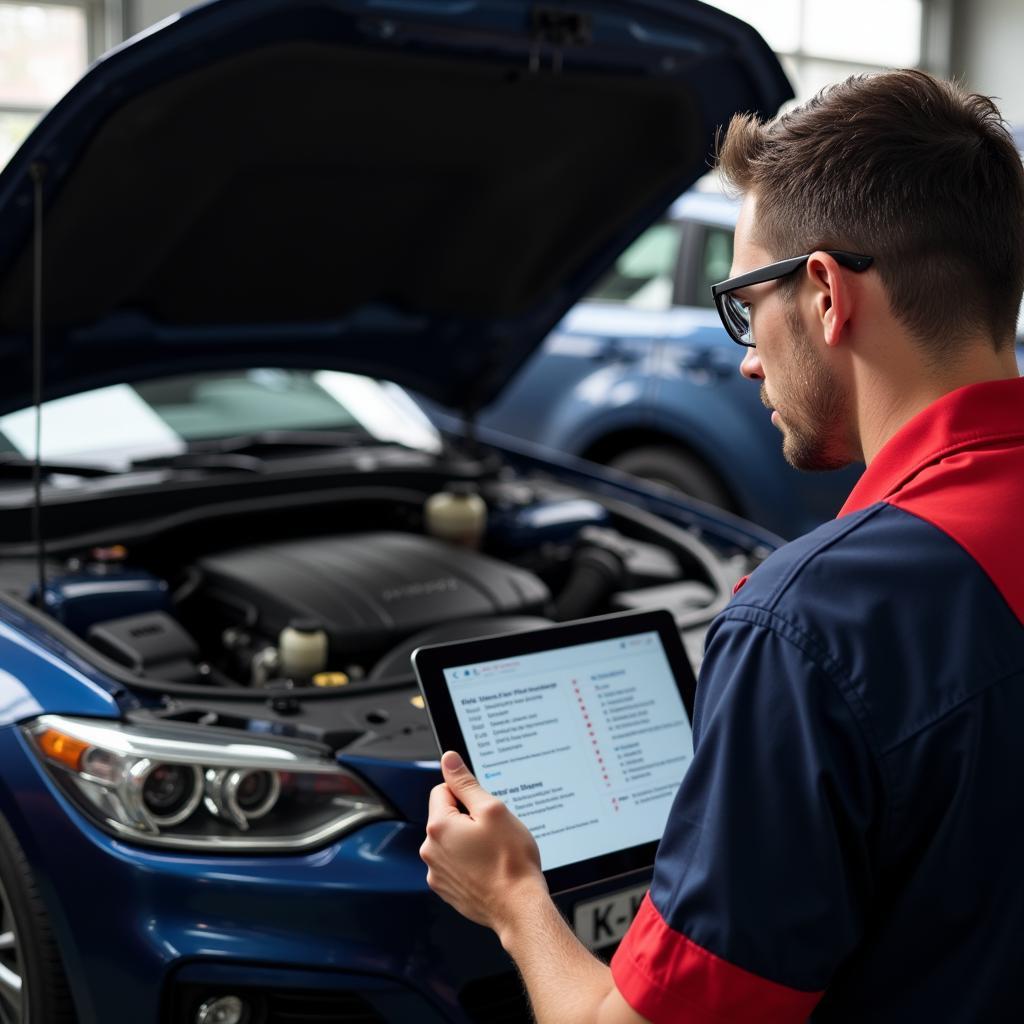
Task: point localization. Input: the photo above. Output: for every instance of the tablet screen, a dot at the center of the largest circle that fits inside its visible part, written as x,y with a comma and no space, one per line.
587,743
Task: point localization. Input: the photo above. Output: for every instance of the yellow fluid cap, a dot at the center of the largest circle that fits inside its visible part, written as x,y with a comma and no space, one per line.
417,701
327,679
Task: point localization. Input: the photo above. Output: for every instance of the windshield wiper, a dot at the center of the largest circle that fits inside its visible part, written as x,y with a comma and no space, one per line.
244,451
201,460
17,467
275,440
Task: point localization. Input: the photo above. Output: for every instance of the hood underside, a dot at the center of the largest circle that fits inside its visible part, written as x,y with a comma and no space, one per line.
416,191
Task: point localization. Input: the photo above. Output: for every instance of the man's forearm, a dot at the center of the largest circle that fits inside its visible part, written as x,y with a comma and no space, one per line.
566,984
486,864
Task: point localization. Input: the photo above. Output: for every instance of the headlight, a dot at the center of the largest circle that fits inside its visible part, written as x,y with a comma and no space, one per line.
173,785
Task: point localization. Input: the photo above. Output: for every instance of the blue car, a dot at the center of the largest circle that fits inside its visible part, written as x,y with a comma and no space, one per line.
223,257
642,377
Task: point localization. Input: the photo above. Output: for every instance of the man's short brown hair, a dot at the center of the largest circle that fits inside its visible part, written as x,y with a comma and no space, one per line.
907,168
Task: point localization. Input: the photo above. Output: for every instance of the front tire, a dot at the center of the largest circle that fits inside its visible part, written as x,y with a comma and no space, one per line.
33,988
672,467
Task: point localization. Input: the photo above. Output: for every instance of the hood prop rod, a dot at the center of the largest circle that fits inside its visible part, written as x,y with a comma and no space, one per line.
472,441
38,173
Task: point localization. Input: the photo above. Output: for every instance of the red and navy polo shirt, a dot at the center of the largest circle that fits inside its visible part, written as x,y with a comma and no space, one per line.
848,843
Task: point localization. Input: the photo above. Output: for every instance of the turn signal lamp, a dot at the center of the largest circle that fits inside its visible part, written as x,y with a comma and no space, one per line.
63,748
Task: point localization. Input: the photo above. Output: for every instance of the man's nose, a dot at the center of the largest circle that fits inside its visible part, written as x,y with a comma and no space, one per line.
751,367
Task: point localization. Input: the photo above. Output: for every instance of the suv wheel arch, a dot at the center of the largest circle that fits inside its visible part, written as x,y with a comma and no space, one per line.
667,461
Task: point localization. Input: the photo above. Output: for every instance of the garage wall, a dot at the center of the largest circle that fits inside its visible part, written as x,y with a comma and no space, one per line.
986,51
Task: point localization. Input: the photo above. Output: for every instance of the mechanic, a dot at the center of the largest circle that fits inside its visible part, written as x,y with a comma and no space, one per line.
848,842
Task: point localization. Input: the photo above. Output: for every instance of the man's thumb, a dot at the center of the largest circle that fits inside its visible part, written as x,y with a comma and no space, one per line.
461,781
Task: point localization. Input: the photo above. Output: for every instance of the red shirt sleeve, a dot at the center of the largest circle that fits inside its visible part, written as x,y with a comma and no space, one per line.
670,980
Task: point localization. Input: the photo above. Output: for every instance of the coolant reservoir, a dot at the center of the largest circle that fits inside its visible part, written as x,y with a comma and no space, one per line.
457,514
302,646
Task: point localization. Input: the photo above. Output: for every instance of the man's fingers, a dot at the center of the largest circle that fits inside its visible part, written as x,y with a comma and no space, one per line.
442,804
461,780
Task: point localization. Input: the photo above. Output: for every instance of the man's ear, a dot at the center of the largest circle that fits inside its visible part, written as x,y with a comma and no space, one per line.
832,296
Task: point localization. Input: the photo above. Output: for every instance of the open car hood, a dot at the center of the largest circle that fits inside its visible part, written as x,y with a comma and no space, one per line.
411,189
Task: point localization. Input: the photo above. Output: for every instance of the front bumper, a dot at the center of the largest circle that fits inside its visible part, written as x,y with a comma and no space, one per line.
347,933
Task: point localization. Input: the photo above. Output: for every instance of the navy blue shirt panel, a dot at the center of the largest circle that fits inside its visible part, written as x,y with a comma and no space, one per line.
763,861
841,825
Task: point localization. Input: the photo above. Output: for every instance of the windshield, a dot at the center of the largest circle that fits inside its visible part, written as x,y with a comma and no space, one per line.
114,426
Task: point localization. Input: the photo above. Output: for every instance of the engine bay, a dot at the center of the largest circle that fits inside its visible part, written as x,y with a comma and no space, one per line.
256,621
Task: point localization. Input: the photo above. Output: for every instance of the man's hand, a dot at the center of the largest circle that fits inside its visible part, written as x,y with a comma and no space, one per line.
484,863
487,866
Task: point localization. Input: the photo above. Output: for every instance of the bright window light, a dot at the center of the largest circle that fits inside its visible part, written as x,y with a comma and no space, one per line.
777,20
821,41
851,31
43,51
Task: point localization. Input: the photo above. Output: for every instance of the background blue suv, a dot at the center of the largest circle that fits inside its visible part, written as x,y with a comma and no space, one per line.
642,377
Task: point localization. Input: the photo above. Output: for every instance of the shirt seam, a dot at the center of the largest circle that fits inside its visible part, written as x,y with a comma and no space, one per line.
832,668
950,709
821,657
958,702
856,519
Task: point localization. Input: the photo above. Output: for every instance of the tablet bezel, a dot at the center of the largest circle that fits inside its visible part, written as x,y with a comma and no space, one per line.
430,662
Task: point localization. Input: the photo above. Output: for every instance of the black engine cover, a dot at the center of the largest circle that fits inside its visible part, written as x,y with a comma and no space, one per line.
367,590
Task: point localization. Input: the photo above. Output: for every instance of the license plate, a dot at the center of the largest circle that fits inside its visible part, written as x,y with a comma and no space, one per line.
604,921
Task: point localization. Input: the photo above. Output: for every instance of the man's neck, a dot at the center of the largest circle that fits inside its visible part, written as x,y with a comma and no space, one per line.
887,399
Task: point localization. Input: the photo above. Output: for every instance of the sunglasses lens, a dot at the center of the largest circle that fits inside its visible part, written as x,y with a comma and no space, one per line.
737,318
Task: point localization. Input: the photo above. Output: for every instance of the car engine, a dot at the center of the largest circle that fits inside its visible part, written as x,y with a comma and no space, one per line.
355,597
241,618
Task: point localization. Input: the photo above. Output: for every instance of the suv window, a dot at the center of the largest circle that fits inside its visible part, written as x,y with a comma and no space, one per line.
714,264
644,275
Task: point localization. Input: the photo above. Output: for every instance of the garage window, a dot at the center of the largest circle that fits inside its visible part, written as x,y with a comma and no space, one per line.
820,41
44,48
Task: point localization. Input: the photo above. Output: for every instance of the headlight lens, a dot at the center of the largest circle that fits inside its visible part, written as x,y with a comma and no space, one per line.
173,785
171,792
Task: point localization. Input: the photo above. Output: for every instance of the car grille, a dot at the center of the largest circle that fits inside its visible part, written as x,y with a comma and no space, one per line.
320,1008
499,999
278,1006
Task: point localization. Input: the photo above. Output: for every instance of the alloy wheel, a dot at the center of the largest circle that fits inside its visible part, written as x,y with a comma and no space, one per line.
13,1002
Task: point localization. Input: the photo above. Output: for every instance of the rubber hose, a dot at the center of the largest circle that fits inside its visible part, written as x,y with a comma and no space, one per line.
596,574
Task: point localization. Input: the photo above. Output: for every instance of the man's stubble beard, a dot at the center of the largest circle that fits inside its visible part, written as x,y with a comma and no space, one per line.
813,425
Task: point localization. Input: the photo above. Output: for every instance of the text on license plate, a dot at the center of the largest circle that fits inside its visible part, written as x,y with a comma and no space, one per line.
604,920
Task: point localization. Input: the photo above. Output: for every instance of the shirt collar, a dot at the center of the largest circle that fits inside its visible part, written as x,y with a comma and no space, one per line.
971,415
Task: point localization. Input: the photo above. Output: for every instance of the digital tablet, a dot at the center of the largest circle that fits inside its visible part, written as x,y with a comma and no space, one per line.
583,729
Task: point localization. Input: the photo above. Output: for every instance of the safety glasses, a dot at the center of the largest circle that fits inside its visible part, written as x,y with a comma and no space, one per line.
735,313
